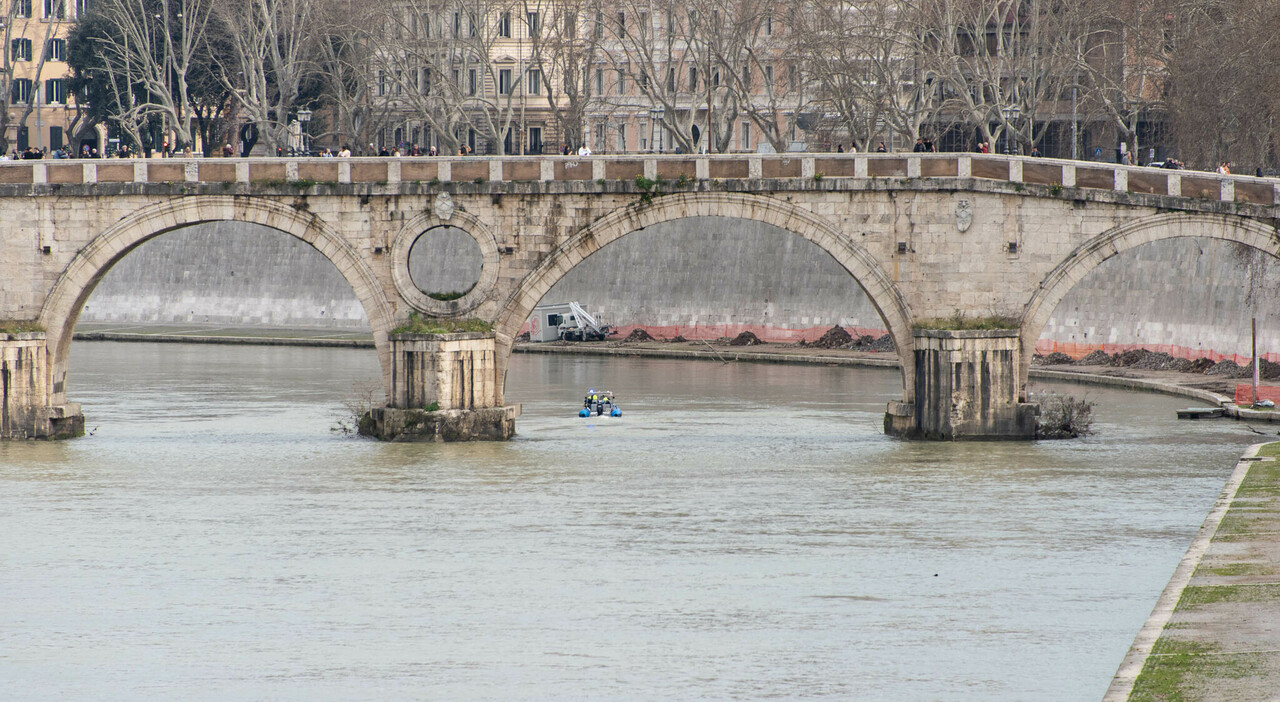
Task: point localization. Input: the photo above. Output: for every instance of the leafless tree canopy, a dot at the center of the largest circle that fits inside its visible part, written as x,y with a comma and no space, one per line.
1193,78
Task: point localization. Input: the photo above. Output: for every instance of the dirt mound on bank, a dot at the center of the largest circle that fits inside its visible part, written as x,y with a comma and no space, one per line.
637,335
866,342
1097,358
746,338
835,338
677,339
1057,358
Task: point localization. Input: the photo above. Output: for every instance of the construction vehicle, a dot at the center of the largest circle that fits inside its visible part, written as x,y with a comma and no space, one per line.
568,322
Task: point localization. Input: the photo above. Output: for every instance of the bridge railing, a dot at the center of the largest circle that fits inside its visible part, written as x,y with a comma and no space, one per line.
480,169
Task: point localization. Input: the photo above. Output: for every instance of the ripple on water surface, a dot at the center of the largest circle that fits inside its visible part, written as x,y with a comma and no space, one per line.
744,531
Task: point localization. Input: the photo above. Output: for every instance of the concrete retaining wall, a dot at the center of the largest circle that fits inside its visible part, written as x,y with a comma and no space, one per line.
1190,297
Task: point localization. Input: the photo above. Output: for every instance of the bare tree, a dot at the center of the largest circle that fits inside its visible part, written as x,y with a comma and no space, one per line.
151,54
998,54
1222,72
566,52
271,54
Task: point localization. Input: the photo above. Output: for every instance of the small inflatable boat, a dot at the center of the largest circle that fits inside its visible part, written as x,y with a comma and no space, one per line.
599,404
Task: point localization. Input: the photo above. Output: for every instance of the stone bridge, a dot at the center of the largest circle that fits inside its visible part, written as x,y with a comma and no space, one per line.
927,236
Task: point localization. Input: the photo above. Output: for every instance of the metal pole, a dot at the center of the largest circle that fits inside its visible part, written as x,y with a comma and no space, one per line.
1255,360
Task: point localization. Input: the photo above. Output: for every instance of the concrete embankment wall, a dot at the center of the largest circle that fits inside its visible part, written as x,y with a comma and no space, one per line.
702,277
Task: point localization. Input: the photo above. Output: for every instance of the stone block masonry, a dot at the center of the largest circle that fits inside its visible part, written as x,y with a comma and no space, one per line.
23,413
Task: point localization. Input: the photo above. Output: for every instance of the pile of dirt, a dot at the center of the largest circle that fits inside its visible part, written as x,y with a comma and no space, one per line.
746,338
637,335
884,344
1097,358
677,339
835,338
1151,360
1200,365
1057,358
1229,369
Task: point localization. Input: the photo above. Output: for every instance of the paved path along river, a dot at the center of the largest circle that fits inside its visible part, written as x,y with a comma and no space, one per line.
745,531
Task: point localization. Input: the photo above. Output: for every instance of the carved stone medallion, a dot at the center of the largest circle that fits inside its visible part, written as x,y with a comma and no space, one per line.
444,206
964,215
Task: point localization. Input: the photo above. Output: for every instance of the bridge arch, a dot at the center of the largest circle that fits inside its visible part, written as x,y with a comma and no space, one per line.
81,276
1091,254
861,265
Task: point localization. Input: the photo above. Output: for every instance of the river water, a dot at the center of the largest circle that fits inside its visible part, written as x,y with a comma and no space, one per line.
745,531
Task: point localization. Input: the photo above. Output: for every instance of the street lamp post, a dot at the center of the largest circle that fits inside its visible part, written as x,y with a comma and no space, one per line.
304,116
1011,113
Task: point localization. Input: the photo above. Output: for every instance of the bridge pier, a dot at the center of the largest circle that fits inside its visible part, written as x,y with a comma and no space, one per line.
25,408
444,387
966,388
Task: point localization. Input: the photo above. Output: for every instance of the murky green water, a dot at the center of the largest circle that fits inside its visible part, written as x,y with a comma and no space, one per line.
744,532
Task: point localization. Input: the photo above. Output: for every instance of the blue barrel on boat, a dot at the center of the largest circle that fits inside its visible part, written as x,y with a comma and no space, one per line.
584,412
617,411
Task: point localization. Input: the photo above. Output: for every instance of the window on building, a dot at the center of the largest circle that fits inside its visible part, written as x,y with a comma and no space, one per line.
21,9
746,77
504,81
384,84
20,50
622,82
504,25
457,24
471,81
20,91
55,91
599,27
55,138
644,80
534,20
399,84
534,76
534,141
472,24
426,81
571,25
671,80
768,77
55,9
599,81
693,78
56,50
622,137
644,23
598,133
768,24
622,22
425,24
745,142
715,78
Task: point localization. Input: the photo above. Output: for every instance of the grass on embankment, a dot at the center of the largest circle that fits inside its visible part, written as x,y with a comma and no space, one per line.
1175,667
1181,667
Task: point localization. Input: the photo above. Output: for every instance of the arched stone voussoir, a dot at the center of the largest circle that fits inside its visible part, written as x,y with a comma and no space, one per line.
860,263
73,287
1093,253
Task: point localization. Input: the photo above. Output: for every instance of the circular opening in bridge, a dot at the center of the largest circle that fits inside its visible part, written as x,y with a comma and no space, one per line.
445,263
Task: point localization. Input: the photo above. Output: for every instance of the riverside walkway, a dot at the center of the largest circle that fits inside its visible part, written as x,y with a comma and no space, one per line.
1215,631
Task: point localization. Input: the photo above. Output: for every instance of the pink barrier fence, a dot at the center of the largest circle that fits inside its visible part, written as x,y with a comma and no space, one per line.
1076,351
1244,393
717,331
